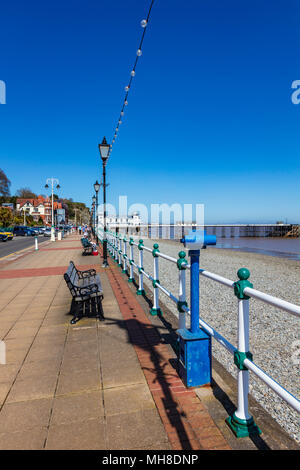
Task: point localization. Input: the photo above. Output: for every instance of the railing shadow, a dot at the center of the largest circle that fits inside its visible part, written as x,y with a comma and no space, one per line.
146,337
230,408
170,337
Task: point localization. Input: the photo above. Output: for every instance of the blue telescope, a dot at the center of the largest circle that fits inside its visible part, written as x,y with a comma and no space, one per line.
196,240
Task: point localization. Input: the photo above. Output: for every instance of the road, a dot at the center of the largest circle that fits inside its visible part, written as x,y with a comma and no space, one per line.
19,243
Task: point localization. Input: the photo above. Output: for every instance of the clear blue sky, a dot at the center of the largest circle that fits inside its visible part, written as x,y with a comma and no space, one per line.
210,118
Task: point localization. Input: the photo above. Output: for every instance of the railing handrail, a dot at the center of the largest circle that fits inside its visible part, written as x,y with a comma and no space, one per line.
249,291
267,298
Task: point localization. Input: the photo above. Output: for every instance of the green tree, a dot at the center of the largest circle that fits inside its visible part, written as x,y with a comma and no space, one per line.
4,184
29,220
6,217
18,220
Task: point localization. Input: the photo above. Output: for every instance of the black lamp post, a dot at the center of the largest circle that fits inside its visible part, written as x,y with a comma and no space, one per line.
94,214
104,154
96,188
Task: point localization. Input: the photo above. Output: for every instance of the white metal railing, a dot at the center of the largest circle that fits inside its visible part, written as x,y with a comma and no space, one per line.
243,358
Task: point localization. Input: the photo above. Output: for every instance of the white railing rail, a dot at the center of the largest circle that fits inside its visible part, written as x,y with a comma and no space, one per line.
243,290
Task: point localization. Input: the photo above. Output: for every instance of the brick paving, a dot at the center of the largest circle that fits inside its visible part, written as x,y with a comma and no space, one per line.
93,385
185,419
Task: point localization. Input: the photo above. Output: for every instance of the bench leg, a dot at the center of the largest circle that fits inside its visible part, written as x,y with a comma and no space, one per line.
77,314
93,307
73,306
100,313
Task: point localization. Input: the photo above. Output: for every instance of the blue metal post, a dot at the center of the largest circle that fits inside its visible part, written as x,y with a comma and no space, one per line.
194,358
194,289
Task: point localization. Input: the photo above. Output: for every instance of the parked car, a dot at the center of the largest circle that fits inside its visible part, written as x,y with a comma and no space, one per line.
47,232
3,237
7,232
23,230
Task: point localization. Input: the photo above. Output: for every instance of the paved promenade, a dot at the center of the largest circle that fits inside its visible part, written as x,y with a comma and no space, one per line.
92,385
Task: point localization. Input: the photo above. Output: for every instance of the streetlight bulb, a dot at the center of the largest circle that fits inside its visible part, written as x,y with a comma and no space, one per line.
139,52
143,23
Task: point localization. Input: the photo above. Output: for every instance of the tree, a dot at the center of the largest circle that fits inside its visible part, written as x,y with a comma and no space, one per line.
18,220
29,220
4,184
6,216
26,193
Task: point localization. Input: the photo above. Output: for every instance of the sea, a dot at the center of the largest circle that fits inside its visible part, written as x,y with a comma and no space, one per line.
280,247
273,246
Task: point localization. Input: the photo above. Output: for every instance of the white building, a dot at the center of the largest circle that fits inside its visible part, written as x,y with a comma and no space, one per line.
39,207
124,223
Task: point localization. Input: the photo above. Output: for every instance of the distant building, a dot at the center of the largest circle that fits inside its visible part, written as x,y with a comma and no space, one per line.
122,223
42,208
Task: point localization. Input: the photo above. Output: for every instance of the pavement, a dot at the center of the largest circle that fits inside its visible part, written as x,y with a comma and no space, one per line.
94,385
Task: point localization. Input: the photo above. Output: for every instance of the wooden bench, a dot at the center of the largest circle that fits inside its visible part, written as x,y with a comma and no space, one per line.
87,246
87,293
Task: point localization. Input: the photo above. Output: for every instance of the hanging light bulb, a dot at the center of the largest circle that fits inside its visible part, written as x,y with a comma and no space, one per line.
120,122
127,88
122,113
139,52
132,73
126,102
143,23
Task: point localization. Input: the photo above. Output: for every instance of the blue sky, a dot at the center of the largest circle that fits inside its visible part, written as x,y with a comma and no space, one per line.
210,118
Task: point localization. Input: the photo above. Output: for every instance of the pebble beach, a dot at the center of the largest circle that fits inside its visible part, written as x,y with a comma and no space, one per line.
274,334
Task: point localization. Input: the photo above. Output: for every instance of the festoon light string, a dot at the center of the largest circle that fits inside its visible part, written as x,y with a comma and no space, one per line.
144,24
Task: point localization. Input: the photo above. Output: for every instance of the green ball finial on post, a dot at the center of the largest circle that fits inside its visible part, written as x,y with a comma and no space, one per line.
155,250
239,286
243,274
182,262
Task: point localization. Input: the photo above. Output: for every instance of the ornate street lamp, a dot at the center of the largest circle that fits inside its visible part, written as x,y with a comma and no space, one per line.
104,149
94,214
52,182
